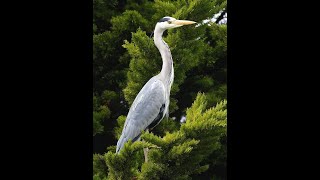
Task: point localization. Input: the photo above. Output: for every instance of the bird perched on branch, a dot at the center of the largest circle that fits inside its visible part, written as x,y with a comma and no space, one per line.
152,102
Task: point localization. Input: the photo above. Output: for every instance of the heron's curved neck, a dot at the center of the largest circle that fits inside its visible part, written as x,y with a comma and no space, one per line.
167,63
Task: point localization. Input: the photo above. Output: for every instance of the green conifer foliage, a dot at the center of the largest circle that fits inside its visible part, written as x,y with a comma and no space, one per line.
100,113
110,60
100,168
176,155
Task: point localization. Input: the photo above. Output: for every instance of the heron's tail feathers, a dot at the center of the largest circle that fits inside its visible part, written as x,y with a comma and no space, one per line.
122,140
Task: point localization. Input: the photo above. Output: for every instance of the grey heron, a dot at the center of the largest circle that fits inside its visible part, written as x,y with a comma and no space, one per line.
152,102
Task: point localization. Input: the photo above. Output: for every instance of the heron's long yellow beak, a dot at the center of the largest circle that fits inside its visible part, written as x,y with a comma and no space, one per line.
183,22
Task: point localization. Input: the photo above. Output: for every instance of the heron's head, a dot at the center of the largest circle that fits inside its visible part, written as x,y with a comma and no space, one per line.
170,22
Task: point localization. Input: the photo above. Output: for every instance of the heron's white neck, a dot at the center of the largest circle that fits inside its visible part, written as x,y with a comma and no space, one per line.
167,72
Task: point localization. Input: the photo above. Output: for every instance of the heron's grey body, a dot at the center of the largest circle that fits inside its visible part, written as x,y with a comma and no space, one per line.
152,102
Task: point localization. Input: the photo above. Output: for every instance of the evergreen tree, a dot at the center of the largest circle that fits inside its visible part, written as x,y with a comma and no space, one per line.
125,58
178,154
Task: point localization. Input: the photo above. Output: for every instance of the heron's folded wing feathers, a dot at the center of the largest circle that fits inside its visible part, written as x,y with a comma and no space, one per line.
143,111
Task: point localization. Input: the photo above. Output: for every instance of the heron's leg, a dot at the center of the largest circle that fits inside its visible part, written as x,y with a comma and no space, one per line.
145,151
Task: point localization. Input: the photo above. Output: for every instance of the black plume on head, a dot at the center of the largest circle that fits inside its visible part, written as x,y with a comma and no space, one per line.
164,19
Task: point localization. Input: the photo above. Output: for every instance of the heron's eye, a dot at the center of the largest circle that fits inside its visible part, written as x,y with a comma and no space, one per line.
169,22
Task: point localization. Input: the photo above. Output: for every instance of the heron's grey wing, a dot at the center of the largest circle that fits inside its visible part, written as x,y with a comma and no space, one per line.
145,109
